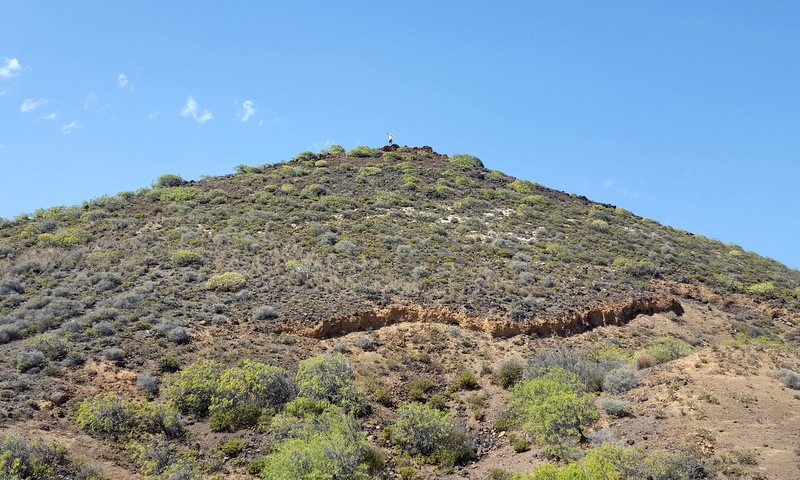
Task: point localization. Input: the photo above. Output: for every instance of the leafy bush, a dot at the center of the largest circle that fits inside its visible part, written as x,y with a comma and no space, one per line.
590,368
789,378
106,413
636,268
185,258
429,434
328,377
617,408
466,161
265,312
29,360
610,461
555,410
192,389
620,379
114,354
464,381
243,393
148,383
334,150
305,157
509,374
666,349
226,282
418,389
22,459
364,152
331,447
522,186
10,286
366,343
168,180
179,335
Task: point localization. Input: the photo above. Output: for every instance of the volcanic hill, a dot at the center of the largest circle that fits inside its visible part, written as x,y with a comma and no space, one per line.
196,329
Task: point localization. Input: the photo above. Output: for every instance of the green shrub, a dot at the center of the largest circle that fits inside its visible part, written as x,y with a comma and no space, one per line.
466,161
636,268
590,367
522,186
185,258
305,156
233,447
520,445
555,410
616,408
666,349
761,288
329,377
612,462
419,388
159,418
312,191
364,152
331,447
175,194
29,360
334,150
67,237
242,395
22,459
106,413
227,282
235,418
790,378
192,389
168,180
509,374
464,381
429,434
620,379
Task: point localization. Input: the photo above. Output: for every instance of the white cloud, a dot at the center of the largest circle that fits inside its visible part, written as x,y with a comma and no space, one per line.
10,68
248,110
71,127
608,183
91,99
30,104
51,116
122,81
190,110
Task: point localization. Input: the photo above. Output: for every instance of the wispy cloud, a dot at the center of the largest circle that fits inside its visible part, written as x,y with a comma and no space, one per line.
190,110
51,116
91,99
71,127
247,111
122,81
608,183
153,115
30,104
10,68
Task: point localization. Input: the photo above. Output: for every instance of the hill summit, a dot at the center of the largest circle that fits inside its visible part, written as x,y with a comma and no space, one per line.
385,260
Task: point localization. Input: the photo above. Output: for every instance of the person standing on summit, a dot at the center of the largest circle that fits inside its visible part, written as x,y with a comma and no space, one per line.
390,135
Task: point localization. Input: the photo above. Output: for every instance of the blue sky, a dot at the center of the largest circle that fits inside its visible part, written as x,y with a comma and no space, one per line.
685,112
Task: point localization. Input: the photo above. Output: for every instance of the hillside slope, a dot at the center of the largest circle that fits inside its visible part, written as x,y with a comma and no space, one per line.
352,253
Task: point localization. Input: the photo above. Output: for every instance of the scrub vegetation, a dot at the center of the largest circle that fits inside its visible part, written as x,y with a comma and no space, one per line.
357,314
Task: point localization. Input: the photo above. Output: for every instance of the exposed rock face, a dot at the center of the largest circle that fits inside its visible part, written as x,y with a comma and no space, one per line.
569,323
